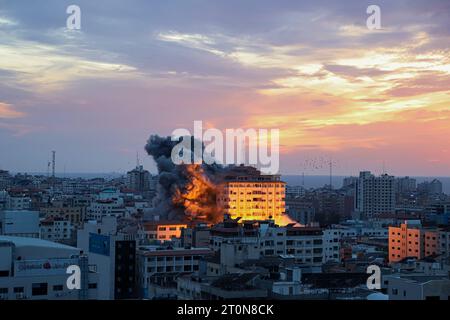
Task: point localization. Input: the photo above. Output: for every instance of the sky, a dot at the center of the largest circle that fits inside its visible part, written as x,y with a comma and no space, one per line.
374,100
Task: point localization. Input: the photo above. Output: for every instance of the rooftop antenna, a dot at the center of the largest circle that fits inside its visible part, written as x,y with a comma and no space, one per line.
384,167
137,159
48,169
53,163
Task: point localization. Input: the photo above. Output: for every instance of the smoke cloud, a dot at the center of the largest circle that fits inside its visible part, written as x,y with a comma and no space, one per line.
184,191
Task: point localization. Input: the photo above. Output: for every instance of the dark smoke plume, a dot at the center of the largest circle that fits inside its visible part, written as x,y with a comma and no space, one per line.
177,184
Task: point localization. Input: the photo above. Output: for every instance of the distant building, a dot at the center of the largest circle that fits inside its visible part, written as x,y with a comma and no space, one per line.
349,181
5,180
300,210
35,269
375,195
56,229
75,214
295,191
3,199
19,223
433,187
108,203
405,185
18,202
138,179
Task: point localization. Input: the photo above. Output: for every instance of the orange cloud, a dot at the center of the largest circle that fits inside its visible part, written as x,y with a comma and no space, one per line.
6,111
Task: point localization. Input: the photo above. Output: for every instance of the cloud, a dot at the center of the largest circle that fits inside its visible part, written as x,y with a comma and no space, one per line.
424,83
7,111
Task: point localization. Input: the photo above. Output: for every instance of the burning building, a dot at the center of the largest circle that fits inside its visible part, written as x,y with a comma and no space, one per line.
250,195
203,192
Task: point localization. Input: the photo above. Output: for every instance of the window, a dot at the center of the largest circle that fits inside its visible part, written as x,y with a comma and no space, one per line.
19,290
58,287
3,290
92,286
39,289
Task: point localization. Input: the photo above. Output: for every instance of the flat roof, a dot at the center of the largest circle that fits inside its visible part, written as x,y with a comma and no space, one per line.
35,242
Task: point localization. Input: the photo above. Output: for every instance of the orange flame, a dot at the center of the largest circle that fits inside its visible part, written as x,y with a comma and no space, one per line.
199,196
284,220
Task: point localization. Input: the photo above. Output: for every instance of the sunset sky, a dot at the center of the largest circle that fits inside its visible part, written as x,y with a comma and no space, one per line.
334,88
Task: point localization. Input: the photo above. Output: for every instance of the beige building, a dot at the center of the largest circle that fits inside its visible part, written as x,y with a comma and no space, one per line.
250,195
75,215
163,230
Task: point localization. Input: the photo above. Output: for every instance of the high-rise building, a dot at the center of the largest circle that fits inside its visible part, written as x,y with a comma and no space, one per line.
138,179
375,195
250,195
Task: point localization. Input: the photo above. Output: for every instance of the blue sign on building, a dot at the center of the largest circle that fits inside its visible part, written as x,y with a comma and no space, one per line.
99,244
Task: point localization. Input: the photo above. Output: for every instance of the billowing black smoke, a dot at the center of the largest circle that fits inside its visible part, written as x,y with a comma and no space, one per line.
175,180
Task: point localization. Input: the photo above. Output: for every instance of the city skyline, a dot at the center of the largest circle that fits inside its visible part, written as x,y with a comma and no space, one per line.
334,88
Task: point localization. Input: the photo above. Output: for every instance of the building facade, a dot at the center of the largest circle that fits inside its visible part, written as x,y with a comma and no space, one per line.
250,195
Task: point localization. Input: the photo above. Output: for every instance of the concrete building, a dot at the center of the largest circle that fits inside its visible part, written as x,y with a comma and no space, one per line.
138,179
163,230
113,256
430,187
411,240
196,236
5,180
417,287
56,229
375,195
105,207
19,223
250,195
295,191
75,214
300,210
36,269
405,185
255,239
157,265
18,202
